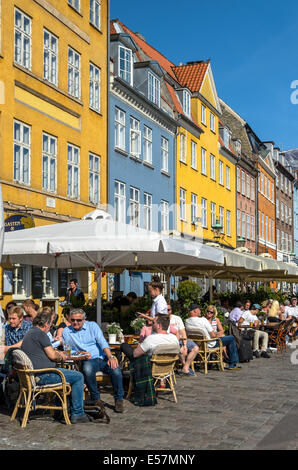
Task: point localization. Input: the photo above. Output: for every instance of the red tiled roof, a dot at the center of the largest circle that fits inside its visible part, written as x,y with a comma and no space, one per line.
191,75
112,28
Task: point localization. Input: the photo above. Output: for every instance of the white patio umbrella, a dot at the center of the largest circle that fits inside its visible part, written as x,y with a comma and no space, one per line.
103,244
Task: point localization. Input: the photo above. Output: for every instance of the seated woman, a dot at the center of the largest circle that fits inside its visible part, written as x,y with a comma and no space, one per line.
146,330
273,313
227,341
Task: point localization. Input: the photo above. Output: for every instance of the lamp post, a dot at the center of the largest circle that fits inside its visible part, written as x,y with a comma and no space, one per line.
217,228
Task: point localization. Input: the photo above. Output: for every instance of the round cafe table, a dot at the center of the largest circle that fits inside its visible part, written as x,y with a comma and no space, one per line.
73,361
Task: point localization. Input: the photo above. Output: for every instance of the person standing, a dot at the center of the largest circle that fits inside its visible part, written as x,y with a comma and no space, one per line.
159,304
74,291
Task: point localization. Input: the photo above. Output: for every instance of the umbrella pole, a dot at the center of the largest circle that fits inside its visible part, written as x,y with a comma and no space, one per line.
98,303
210,288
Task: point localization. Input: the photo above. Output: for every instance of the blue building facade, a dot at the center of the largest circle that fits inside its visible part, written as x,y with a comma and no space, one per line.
141,163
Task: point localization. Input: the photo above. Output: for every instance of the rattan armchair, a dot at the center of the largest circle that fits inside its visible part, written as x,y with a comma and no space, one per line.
163,362
30,390
206,355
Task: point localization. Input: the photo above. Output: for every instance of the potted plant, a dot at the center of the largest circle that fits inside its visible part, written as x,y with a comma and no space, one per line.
113,330
137,324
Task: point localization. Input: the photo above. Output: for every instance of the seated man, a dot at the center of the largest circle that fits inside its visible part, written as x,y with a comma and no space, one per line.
160,337
188,348
37,346
31,309
250,318
236,313
84,335
197,322
16,328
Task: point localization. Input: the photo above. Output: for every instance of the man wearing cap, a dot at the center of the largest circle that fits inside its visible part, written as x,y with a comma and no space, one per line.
197,322
249,317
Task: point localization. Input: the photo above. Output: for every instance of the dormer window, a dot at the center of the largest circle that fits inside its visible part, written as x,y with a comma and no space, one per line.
153,89
186,103
226,136
237,144
125,64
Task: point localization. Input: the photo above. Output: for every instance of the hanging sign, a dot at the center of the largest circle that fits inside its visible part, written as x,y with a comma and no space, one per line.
18,222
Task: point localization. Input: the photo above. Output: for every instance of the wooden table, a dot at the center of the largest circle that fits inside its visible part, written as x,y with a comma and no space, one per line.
74,361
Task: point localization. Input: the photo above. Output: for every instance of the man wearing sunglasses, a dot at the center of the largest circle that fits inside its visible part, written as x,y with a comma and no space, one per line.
83,335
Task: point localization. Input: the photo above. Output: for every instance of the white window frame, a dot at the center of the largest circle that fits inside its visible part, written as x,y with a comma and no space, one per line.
74,73
212,122
134,206
119,201
23,45
248,235
147,144
228,222
243,183
24,281
50,51
95,13
203,162
153,89
186,103
204,212
135,137
220,172
164,154
212,213
203,114
94,87
147,211
20,167
73,171
252,189
126,72
228,180
183,204
247,186
221,212
165,223
252,228
94,178
49,158
120,117
238,180
193,208
243,224
193,154
76,4
183,146
212,167
238,223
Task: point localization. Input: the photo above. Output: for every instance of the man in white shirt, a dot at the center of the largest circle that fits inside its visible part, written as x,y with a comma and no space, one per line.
249,318
293,310
197,322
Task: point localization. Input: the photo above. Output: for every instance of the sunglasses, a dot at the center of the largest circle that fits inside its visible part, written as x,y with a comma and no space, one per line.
73,321
210,311
169,309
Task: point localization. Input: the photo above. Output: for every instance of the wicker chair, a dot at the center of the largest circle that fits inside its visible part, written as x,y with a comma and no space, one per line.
163,362
30,390
206,355
277,337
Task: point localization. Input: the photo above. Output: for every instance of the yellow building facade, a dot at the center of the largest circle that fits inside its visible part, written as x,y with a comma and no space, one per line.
53,122
208,174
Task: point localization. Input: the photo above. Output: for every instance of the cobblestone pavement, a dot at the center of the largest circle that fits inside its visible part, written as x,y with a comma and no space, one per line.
252,408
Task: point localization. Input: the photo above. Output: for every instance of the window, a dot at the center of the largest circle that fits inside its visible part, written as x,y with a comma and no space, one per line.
262,184
119,202
203,161
243,221
269,189
281,211
248,226
134,207
153,89
247,186
135,137
238,180
119,129
281,182
182,147
228,223
21,281
22,39
286,184
50,57
182,204
74,73
94,87
263,231
94,178
75,4
186,103
193,158
125,64
164,154
49,162
221,218
147,145
21,152
193,208
213,213
269,229
204,212
164,215
212,166
277,208
212,122
238,223
252,228
94,13
272,192
265,185
290,216
147,211
226,137
286,214
252,189
273,232
228,177
242,182
220,172
203,114
73,164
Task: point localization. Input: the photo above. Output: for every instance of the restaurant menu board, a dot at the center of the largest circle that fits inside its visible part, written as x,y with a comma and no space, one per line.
37,286
62,282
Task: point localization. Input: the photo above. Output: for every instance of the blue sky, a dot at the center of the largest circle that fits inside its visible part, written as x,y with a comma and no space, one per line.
252,45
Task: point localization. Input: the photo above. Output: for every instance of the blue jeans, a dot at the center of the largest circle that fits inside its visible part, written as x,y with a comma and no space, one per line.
89,369
76,381
230,343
